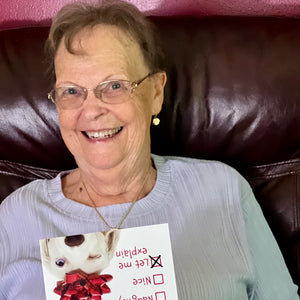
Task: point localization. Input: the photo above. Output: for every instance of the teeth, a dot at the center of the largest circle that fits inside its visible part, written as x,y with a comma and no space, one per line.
103,134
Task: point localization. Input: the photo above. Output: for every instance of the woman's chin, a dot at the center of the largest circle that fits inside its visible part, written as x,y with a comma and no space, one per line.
101,162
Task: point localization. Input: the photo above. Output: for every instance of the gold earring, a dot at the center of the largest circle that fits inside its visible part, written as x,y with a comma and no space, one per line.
155,120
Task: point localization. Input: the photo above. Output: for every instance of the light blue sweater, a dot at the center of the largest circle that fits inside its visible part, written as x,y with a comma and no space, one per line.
222,246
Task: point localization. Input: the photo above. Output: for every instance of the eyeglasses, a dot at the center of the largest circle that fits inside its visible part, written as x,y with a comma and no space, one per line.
110,92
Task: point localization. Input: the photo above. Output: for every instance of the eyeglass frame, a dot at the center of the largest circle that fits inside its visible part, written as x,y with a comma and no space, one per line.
133,86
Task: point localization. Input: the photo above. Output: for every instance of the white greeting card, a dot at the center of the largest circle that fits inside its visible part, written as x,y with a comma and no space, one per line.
127,264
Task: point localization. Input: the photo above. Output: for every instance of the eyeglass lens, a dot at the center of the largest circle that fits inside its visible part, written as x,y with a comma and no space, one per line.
112,91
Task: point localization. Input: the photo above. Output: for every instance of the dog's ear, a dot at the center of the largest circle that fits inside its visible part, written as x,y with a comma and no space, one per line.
45,250
112,237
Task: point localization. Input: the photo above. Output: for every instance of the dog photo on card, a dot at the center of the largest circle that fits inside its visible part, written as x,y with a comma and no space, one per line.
120,264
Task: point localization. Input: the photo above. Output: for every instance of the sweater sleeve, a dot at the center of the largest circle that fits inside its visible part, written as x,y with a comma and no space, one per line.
20,271
272,278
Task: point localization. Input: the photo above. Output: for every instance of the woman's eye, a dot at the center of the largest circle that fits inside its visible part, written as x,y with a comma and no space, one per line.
112,88
115,85
60,262
71,91
66,92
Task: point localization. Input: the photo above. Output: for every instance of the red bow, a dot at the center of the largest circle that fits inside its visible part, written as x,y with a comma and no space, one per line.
81,286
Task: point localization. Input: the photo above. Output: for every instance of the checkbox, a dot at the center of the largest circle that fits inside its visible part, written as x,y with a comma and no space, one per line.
158,279
160,296
156,261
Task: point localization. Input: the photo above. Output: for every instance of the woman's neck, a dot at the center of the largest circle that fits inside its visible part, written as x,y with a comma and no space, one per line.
102,188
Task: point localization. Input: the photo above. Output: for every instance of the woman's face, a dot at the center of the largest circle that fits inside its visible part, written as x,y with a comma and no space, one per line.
107,53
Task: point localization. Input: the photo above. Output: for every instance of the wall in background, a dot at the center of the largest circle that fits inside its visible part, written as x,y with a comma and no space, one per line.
16,13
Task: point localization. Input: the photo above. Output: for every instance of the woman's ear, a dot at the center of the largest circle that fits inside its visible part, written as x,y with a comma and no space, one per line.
160,80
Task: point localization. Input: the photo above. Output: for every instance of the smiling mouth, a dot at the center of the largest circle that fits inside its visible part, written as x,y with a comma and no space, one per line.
103,134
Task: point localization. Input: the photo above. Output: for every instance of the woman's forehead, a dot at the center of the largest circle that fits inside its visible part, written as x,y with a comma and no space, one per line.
103,45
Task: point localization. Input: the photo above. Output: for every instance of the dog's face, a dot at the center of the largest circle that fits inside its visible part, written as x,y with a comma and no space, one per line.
90,252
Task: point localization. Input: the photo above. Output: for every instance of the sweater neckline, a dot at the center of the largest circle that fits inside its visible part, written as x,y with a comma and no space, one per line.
156,199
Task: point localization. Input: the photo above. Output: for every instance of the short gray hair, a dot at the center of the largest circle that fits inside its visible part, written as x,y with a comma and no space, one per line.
74,17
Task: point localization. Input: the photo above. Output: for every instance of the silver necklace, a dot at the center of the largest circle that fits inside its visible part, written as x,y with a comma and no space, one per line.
125,215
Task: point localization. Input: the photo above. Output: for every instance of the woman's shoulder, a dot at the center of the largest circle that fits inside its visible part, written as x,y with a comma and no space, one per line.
26,189
196,165
27,195
207,173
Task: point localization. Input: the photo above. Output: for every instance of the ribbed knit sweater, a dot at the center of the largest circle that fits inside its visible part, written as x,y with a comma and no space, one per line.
222,246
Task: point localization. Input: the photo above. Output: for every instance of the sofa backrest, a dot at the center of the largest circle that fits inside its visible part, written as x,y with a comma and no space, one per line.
232,95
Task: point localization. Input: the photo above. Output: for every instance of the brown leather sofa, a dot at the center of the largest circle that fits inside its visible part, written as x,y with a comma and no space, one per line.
233,94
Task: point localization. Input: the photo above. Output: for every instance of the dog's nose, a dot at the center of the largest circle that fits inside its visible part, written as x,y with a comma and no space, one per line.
74,240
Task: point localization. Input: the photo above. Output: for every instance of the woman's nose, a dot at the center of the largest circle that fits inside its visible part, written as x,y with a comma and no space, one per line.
74,240
93,107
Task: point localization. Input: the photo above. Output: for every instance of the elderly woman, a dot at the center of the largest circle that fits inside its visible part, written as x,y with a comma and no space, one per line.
109,89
